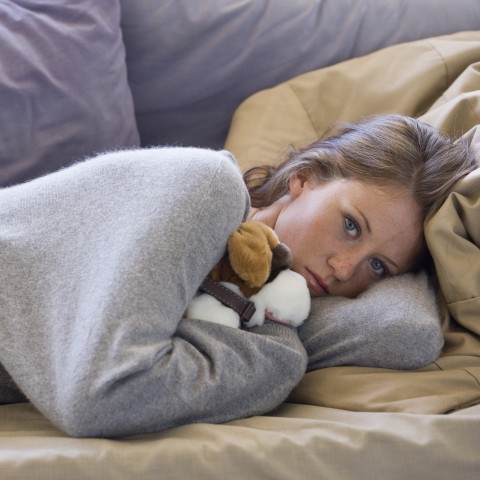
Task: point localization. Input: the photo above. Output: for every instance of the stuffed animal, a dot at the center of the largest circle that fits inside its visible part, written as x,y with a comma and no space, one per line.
256,267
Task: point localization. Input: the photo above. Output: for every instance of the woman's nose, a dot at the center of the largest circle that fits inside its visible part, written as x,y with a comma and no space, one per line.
344,266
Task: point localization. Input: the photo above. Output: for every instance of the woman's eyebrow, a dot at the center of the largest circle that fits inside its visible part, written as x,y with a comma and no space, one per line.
365,220
388,260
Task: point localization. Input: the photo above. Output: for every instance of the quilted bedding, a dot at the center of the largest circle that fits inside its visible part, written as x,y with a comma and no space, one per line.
437,79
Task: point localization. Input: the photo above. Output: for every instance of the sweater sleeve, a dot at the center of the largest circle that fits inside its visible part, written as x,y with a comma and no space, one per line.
394,324
204,373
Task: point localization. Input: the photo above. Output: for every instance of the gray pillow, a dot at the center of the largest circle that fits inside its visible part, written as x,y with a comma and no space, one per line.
63,85
191,63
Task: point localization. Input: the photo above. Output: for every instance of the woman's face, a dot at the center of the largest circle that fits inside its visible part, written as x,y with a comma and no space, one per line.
346,234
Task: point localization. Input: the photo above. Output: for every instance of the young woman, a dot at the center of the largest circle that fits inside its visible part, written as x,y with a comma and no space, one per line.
351,208
100,259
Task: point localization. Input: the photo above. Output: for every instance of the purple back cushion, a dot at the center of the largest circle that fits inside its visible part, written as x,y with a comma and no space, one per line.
191,62
63,85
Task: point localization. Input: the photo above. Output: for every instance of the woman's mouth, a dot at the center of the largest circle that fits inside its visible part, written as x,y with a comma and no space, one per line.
316,285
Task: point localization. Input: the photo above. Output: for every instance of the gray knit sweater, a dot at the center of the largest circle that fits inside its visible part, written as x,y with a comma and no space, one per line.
98,264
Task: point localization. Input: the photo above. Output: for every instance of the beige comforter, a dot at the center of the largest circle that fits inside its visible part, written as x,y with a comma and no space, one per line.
344,422
439,80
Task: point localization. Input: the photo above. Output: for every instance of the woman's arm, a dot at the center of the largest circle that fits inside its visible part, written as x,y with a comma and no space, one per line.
204,373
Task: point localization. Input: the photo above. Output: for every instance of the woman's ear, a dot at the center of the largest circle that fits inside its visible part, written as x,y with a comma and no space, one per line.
296,184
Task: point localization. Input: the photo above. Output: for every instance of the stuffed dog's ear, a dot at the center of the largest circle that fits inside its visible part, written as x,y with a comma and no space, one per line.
250,252
282,259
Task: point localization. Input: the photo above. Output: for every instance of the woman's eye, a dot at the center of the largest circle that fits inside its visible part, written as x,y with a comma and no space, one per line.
352,227
379,267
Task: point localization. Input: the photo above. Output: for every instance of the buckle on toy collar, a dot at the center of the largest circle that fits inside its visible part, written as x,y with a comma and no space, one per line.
245,308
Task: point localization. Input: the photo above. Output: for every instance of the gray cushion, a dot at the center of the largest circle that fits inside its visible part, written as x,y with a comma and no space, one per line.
191,62
63,85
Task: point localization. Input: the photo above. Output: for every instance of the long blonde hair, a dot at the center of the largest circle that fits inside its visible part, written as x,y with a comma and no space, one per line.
380,150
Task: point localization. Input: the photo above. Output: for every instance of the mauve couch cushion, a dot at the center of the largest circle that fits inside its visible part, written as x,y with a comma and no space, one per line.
64,93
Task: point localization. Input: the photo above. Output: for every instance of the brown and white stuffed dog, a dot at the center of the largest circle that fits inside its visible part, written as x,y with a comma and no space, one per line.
255,266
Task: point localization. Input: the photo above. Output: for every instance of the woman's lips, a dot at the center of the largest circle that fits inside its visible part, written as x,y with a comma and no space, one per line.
316,285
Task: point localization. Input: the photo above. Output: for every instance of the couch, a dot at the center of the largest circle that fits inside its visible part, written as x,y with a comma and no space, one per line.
79,77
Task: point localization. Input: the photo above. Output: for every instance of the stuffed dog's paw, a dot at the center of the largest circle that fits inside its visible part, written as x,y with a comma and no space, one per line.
285,300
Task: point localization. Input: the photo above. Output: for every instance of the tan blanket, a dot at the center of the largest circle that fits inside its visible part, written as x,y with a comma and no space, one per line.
439,80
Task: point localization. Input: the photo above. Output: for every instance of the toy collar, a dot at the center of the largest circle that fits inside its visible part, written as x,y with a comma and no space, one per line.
245,308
